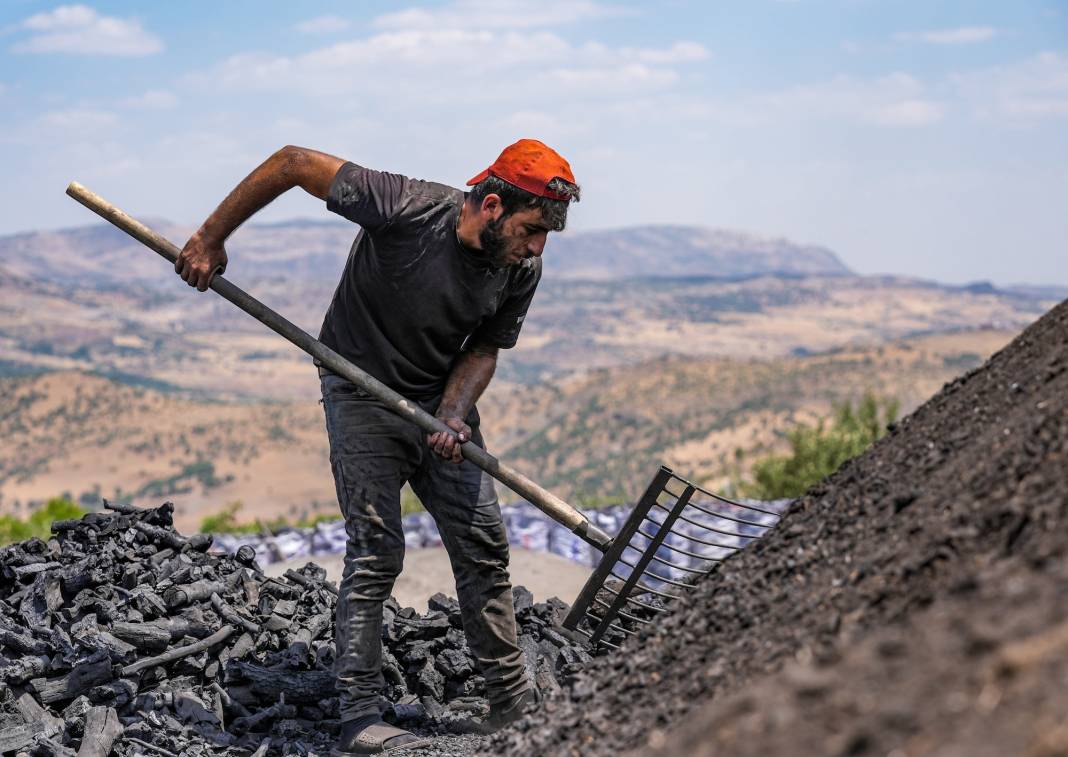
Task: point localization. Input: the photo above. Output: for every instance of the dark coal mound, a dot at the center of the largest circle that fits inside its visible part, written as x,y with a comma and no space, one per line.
915,599
120,635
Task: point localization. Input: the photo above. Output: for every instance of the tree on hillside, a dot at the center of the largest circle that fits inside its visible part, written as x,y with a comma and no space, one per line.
817,451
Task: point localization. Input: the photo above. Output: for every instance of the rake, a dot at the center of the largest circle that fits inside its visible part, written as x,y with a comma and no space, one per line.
676,534
651,531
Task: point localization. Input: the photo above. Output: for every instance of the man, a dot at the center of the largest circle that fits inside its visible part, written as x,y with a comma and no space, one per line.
435,284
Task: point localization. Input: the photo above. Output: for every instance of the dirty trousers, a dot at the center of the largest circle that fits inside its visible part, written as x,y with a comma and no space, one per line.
373,452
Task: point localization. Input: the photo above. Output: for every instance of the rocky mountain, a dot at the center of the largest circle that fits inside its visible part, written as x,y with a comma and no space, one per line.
677,251
101,255
314,251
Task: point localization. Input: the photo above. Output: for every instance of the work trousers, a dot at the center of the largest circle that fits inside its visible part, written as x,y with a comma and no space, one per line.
373,452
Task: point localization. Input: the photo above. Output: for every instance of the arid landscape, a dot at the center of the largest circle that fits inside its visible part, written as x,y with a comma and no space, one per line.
123,383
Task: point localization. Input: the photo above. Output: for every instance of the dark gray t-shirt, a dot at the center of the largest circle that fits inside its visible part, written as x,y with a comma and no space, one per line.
412,296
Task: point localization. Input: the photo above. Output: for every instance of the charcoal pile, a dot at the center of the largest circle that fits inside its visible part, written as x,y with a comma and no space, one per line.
119,635
913,603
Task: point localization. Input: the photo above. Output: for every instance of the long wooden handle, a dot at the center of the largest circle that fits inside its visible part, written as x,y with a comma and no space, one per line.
541,498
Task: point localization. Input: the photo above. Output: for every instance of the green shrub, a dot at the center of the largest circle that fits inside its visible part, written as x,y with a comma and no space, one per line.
39,523
12,530
225,522
817,451
409,502
314,520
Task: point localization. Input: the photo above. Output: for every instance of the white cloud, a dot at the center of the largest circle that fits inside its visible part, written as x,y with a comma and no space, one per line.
323,25
81,30
623,78
63,17
895,100
78,120
430,63
1024,91
906,113
153,99
680,52
964,35
1032,89
534,121
498,14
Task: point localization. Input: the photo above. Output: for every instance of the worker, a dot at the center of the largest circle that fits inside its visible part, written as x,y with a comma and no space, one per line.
436,282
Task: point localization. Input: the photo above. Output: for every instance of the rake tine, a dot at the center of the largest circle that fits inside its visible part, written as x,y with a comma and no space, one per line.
687,552
705,526
638,602
658,577
639,585
730,518
622,614
707,543
724,500
676,566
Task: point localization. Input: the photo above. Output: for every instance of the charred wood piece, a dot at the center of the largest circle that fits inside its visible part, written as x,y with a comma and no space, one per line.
278,710
102,728
305,687
180,596
310,583
231,616
80,679
176,654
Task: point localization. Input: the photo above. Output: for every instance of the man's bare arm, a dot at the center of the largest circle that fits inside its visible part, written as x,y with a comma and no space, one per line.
204,253
469,377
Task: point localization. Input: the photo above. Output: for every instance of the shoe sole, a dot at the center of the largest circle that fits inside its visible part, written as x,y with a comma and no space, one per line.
410,745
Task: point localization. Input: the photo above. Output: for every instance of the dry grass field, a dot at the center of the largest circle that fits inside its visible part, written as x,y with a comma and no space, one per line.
594,436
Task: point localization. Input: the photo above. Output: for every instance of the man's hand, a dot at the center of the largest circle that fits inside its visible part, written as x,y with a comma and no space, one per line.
199,261
204,256
448,445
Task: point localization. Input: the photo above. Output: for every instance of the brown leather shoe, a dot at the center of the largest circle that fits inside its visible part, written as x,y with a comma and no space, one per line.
360,737
507,713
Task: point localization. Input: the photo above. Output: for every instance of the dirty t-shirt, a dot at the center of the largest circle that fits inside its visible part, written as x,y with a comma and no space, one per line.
412,296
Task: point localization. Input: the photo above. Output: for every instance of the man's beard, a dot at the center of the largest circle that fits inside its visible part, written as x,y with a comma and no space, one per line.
494,244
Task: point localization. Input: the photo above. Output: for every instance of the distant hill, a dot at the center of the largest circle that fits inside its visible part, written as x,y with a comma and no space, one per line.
683,251
92,299
101,255
314,251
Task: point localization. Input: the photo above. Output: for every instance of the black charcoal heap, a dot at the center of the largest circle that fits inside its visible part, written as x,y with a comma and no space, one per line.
119,635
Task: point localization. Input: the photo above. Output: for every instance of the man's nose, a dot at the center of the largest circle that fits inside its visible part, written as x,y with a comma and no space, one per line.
537,245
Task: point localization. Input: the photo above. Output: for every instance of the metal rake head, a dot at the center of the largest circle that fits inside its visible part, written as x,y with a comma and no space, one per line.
676,534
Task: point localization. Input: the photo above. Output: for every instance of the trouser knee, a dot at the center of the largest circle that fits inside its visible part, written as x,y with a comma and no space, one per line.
371,577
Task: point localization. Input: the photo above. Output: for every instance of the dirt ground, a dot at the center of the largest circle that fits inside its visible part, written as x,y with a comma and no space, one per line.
427,572
914,603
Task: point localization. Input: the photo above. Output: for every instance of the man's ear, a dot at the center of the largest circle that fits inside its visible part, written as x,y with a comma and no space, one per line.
492,208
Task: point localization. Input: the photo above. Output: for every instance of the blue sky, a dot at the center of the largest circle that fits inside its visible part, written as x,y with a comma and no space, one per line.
925,138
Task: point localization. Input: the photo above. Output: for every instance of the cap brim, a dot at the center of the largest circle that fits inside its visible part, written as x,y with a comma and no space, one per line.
481,177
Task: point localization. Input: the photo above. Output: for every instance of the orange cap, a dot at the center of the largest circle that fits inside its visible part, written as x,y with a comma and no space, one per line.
530,165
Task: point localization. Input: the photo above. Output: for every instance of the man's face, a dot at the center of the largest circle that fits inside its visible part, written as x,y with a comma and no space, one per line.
509,240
